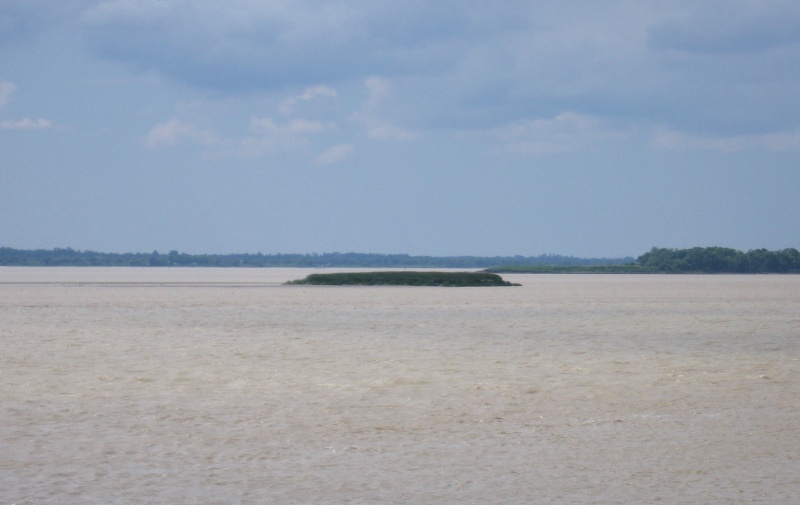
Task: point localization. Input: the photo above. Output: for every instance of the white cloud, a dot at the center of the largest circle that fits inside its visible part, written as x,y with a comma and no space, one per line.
6,92
335,154
314,91
259,136
774,141
175,132
566,132
382,130
267,136
378,91
26,124
310,93
266,126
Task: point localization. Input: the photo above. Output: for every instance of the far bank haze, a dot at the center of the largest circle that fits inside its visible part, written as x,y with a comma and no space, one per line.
657,260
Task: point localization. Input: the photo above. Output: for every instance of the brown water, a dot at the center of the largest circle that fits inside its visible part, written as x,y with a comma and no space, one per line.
124,386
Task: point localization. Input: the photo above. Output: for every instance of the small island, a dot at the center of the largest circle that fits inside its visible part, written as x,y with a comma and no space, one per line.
405,278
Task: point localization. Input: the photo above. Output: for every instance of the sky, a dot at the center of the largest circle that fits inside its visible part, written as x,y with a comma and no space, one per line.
447,128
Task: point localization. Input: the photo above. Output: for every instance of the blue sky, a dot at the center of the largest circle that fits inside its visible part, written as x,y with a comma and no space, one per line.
582,128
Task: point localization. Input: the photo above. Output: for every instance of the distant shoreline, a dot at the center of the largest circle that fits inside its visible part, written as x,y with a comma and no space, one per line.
559,269
71,257
697,260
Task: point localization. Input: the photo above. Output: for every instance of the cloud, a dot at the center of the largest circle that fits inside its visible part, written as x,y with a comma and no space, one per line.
265,136
382,130
463,65
26,124
378,91
247,45
775,141
314,91
310,93
6,92
256,45
266,126
268,137
176,132
566,132
217,129
23,20
335,154
745,27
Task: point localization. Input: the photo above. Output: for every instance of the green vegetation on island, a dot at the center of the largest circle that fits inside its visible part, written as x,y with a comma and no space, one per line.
405,278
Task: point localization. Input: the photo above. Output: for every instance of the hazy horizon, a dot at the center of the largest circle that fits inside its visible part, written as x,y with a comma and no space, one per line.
400,253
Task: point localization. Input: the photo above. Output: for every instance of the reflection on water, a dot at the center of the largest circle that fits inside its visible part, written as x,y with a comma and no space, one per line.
223,386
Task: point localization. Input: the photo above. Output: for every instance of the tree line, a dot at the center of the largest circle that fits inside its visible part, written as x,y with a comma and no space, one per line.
657,260
71,257
720,260
696,260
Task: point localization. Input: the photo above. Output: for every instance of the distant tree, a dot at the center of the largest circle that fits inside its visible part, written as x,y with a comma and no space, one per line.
721,260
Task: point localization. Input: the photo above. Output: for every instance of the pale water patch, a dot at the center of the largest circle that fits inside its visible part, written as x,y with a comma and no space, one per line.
223,386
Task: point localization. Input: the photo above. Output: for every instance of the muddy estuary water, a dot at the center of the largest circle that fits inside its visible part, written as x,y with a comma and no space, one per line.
212,386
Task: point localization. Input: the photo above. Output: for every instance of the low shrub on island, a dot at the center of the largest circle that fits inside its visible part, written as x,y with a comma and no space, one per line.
405,278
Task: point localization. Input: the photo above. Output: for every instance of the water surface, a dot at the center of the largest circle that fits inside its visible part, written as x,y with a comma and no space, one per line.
223,386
